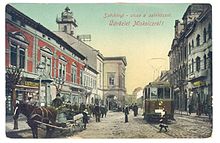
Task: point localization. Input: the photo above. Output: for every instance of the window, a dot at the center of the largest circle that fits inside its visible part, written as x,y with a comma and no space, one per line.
192,65
185,52
148,93
65,28
22,24
74,73
198,40
189,48
167,93
81,77
190,68
111,79
160,93
100,67
13,18
62,70
48,66
204,35
17,55
153,91
18,44
210,31
204,61
197,63
14,55
46,63
87,81
192,43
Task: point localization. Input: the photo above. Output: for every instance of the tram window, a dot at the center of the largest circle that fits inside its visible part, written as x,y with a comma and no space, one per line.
167,93
145,93
153,92
160,93
148,93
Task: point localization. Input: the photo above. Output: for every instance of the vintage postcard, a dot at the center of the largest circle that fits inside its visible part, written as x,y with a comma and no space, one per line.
108,70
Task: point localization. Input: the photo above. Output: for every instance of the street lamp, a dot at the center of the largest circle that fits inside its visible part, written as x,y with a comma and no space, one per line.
40,67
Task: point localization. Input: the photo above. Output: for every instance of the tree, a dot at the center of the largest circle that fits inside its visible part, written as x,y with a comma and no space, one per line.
13,77
58,82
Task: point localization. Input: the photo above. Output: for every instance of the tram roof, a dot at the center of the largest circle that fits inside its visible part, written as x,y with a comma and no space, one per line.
158,84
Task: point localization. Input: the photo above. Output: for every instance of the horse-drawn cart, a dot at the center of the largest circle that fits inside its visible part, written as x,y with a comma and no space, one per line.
61,119
69,126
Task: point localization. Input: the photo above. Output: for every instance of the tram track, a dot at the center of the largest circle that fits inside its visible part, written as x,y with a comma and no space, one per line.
155,126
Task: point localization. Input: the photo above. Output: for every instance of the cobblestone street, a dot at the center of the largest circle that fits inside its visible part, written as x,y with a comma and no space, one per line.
114,127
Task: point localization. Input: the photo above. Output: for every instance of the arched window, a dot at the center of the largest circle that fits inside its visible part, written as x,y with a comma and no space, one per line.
18,49
192,43
65,28
192,65
74,74
185,52
46,60
204,35
198,40
204,57
210,31
189,48
198,64
62,67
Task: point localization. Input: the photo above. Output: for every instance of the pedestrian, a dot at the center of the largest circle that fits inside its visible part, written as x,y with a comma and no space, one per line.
75,107
85,118
102,109
106,110
131,107
82,107
97,113
135,109
163,121
89,110
126,111
57,102
190,108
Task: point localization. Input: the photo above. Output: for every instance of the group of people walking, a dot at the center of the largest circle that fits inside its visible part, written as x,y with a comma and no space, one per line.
128,108
99,111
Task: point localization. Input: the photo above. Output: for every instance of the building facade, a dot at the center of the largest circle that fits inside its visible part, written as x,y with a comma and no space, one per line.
44,57
114,81
99,66
58,62
200,61
190,58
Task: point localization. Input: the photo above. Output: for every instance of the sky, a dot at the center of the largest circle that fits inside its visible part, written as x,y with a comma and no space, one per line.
114,33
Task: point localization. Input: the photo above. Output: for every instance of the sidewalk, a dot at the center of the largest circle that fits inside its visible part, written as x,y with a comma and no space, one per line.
22,125
184,113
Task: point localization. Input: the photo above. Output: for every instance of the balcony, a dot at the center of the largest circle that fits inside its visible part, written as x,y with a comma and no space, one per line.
202,47
201,74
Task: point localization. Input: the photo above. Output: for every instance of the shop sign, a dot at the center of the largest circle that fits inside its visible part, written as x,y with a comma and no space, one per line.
32,84
199,83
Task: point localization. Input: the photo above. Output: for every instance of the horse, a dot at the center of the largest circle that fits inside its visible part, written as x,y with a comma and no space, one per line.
33,113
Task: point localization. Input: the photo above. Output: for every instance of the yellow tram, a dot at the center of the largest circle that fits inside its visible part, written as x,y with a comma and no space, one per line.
158,96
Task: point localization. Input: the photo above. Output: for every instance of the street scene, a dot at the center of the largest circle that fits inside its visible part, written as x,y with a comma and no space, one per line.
113,126
108,71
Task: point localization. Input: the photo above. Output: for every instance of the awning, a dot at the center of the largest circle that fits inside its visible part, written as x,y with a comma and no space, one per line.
199,83
26,88
44,80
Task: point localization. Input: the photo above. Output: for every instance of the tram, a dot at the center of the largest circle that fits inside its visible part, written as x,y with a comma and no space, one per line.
158,97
